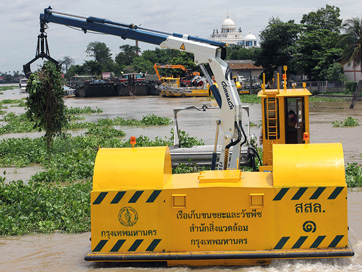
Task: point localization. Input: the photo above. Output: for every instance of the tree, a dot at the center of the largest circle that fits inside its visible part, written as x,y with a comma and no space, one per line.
277,46
238,52
335,73
316,46
127,55
352,52
324,18
352,42
45,104
67,62
101,54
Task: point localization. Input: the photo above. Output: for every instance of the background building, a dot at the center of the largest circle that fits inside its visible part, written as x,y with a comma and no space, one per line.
352,73
230,35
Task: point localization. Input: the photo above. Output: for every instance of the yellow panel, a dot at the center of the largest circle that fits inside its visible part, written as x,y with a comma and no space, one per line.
308,165
220,176
131,168
257,200
179,200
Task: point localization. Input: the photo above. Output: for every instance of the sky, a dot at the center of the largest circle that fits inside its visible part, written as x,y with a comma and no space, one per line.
19,21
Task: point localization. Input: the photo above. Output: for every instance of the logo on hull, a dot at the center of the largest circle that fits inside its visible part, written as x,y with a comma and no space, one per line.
128,216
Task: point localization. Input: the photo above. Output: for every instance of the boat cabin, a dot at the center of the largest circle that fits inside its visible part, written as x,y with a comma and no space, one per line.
285,120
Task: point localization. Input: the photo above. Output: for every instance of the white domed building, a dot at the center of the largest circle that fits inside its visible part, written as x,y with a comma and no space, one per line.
230,35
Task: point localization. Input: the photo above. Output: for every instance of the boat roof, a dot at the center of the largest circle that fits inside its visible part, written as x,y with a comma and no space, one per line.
286,93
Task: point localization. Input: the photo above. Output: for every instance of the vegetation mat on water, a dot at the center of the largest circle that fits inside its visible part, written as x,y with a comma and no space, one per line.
44,208
7,88
20,123
353,175
348,122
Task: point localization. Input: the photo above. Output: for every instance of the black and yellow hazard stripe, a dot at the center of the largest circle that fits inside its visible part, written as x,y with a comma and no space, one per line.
134,246
133,197
283,193
315,243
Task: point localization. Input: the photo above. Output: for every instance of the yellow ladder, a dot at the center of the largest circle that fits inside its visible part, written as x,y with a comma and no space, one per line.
271,123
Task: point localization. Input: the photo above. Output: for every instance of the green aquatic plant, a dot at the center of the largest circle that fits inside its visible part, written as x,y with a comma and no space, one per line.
44,208
348,122
45,104
7,88
353,175
251,98
84,110
185,140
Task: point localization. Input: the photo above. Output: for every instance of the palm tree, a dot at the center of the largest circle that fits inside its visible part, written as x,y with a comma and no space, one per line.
352,52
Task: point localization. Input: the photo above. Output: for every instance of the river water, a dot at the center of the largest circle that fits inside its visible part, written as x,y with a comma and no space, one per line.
65,252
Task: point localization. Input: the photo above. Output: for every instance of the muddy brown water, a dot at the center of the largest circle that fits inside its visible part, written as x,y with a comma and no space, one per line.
65,252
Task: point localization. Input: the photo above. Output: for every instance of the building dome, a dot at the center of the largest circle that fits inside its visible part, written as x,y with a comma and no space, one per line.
250,37
228,23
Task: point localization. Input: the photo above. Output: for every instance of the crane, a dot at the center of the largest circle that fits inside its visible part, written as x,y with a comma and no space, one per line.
205,52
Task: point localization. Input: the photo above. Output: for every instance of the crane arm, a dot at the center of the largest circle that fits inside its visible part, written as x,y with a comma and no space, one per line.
205,51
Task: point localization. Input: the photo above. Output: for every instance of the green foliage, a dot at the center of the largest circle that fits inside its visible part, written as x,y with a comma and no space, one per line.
105,132
45,101
324,18
183,168
185,140
6,88
127,56
277,46
251,98
102,57
44,208
351,41
17,124
351,86
353,175
326,99
84,110
238,52
335,73
348,122
20,152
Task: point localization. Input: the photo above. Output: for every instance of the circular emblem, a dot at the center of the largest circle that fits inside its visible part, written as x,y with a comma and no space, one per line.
128,216
309,226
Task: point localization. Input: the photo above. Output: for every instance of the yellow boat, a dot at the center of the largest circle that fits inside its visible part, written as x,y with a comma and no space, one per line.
170,87
295,207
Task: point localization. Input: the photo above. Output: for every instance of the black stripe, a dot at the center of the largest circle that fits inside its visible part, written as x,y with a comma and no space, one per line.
135,197
135,245
335,193
153,196
317,241
118,197
153,245
336,241
100,198
100,245
281,194
281,243
317,193
118,245
299,194
300,241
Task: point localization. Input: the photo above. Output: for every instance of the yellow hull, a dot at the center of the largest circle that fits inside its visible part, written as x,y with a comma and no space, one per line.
188,93
141,212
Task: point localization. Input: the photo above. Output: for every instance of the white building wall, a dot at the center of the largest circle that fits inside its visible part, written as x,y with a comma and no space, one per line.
352,73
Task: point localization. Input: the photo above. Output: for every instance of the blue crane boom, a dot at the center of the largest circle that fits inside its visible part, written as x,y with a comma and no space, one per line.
205,52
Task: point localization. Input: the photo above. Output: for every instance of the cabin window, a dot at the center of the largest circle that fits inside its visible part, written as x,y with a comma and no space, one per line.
294,120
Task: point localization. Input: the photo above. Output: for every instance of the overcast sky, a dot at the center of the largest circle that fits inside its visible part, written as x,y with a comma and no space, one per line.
19,21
